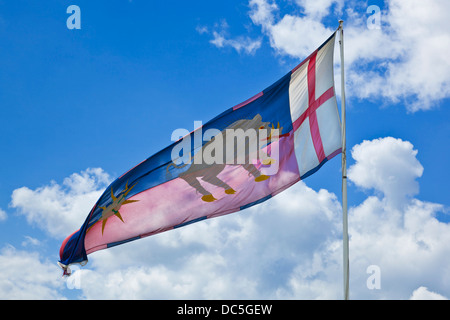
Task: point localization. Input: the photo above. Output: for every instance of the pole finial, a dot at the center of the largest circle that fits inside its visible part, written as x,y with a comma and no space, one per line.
341,22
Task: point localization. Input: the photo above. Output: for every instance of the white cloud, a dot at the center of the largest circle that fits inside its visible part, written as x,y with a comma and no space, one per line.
3,215
312,32
245,255
262,12
202,276
394,231
411,48
423,293
23,275
30,241
61,209
387,165
202,29
240,44
408,245
309,31
290,247
406,60
319,8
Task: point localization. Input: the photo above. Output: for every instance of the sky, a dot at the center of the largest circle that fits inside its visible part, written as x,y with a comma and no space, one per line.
79,107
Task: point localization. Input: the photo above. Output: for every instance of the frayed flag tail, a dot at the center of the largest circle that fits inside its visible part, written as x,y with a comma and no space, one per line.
66,270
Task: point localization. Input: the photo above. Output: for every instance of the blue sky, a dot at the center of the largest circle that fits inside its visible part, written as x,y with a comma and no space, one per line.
81,107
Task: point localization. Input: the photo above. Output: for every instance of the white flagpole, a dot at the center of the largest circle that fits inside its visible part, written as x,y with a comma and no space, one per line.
344,169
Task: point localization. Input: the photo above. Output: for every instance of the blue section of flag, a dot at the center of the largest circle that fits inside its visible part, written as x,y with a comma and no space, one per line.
190,222
256,202
273,106
113,244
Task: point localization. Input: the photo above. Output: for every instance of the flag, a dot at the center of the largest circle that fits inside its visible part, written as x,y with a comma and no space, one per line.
243,157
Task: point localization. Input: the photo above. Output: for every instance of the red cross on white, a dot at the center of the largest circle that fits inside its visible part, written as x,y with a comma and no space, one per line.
313,105
311,93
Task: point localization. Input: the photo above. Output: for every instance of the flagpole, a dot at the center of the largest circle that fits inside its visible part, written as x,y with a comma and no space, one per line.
346,265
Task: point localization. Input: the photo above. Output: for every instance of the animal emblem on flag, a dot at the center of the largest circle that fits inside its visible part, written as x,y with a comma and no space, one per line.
256,132
288,131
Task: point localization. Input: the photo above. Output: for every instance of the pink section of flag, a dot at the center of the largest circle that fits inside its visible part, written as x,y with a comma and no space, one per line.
174,202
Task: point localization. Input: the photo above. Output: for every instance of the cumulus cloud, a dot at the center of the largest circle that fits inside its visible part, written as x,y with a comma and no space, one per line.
199,278
387,165
423,293
405,60
250,254
319,8
25,275
61,209
408,246
410,49
308,29
391,229
290,247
